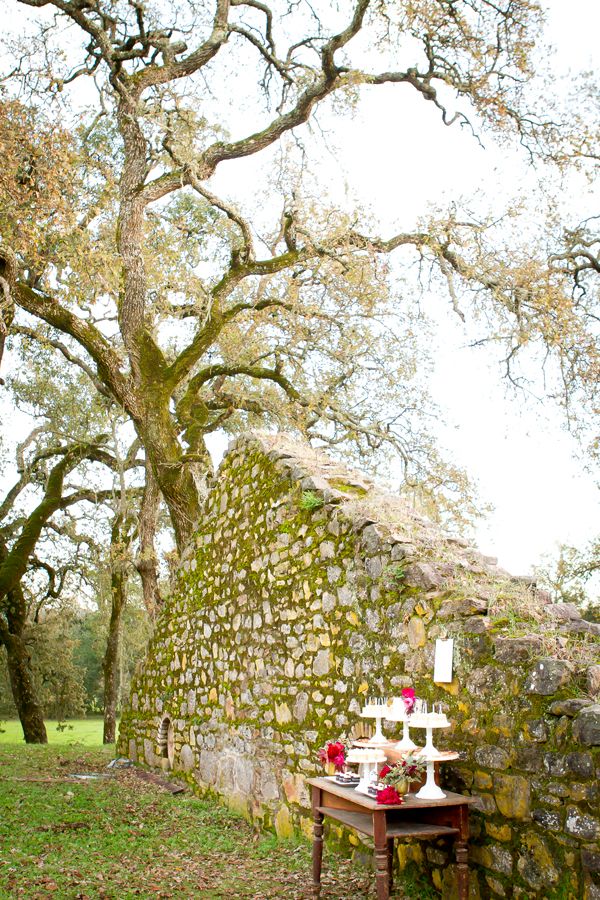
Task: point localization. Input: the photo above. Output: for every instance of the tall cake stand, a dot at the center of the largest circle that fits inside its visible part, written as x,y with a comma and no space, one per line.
431,790
397,714
429,721
377,711
369,759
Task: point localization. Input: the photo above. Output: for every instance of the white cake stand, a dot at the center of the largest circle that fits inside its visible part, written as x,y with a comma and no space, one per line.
400,715
368,759
431,790
379,737
429,721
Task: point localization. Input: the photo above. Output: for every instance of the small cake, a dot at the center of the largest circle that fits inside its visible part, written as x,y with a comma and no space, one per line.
439,720
376,710
365,755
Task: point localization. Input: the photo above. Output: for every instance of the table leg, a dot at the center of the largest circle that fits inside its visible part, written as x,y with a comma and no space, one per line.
390,846
382,875
462,860
317,852
461,850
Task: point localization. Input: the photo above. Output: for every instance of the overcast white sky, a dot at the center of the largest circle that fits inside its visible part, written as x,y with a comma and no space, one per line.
393,157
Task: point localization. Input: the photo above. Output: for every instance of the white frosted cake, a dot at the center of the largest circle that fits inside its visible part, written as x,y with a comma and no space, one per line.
365,755
375,710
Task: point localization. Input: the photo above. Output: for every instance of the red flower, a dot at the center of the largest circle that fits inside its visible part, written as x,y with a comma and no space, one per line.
408,696
333,752
384,771
335,749
389,795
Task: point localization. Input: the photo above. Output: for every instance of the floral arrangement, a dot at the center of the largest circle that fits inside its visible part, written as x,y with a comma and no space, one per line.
398,778
408,698
333,754
410,768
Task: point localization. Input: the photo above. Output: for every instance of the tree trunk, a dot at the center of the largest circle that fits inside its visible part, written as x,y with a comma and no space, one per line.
110,663
13,616
23,689
146,562
172,472
119,549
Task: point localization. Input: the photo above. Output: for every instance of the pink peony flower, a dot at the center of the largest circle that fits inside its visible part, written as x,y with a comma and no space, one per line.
384,771
408,697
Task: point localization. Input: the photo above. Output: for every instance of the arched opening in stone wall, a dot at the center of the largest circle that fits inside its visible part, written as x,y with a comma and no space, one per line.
166,743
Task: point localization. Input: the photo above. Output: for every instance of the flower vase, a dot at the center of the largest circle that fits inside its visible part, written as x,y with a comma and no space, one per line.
402,786
330,768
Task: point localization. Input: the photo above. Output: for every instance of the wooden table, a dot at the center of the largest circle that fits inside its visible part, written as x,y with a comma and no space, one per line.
414,818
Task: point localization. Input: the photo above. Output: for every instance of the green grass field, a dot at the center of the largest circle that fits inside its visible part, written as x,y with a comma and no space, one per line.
79,731
116,837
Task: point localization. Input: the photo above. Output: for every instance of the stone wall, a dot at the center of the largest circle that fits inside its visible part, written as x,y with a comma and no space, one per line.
306,590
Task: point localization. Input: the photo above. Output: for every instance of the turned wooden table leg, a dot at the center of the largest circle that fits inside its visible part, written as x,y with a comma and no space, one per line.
317,852
461,849
390,846
382,874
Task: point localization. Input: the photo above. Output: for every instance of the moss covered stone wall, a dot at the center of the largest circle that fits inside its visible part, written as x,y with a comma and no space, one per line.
307,589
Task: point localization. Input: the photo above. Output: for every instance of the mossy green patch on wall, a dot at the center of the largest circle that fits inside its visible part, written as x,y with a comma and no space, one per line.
287,613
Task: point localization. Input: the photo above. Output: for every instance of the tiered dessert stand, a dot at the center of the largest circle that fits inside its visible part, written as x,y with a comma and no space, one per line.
429,721
377,709
397,713
369,760
370,754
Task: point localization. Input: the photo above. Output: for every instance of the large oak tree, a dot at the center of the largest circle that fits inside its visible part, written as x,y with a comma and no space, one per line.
182,309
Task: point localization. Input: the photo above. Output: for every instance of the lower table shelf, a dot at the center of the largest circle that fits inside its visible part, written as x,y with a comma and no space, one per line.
363,822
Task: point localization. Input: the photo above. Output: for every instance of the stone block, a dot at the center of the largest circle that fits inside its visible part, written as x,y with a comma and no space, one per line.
482,781
569,707
536,865
425,576
580,764
499,832
186,758
486,803
512,793
463,607
548,819
492,757
555,764
494,857
529,759
590,861
581,825
593,681
563,612
208,765
548,676
243,775
586,726
416,634
322,662
300,707
283,823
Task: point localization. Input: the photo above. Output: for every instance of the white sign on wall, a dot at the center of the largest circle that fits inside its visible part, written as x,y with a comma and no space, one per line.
442,670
